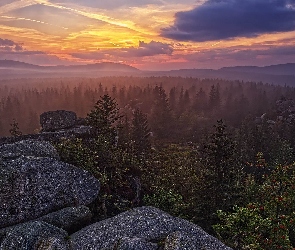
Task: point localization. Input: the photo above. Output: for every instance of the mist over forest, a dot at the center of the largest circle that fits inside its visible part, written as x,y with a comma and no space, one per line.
193,104
203,149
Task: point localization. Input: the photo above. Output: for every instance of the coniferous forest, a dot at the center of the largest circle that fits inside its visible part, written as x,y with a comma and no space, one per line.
218,153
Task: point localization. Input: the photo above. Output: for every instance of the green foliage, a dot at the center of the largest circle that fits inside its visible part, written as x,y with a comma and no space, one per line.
242,228
113,166
167,200
253,138
170,180
268,221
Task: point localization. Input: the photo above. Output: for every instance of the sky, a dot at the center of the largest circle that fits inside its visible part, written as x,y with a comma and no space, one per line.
149,34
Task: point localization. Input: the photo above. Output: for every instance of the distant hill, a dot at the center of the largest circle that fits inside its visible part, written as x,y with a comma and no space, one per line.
275,74
17,64
15,69
280,69
280,74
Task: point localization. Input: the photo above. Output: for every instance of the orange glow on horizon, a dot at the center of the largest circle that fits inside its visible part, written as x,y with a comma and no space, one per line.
70,32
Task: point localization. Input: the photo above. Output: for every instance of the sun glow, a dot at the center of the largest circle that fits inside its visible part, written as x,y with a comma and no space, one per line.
73,31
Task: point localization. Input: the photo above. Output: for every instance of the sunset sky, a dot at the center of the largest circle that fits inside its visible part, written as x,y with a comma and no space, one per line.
149,34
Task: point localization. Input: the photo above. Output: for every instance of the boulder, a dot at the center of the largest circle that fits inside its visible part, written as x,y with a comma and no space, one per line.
31,187
127,243
149,224
70,219
56,120
36,235
28,148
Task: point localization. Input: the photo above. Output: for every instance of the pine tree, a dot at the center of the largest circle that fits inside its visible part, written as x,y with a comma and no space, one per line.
140,133
161,118
172,98
200,102
221,173
214,98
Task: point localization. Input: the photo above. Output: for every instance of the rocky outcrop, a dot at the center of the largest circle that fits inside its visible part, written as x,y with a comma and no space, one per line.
34,235
28,148
144,226
33,186
56,120
56,126
47,197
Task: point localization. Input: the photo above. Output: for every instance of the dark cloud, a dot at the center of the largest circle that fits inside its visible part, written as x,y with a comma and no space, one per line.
14,51
148,49
144,49
9,45
224,19
243,56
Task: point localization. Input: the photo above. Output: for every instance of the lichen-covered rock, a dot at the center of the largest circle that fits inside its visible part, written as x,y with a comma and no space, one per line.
36,235
28,148
70,219
32,187
127,243
56,120
172,241
148,223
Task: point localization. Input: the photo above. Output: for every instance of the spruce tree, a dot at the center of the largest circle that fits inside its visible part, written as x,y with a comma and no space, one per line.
140,133
104,117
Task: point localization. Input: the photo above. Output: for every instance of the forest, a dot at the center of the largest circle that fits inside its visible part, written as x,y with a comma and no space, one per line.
218,153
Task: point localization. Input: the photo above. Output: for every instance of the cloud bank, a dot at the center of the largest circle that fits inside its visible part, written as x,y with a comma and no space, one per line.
226,19
144,49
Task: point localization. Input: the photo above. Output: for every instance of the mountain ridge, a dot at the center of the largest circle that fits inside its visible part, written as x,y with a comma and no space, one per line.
280,74
276,69
105,66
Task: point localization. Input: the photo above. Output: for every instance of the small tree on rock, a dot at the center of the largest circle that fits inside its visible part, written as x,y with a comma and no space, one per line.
14,130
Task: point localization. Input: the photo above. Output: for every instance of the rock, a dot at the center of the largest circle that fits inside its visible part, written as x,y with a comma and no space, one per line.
149,224
56,120
68,133
31,187
28,148
36,235
70,219
57,136
127,243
